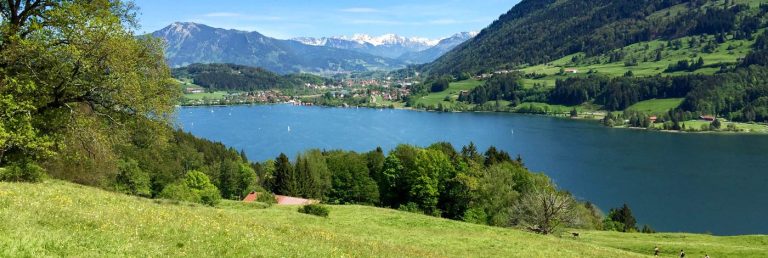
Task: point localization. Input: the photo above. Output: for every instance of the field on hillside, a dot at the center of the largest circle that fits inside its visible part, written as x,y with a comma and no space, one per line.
207,95
640,58
56,218
453,90
656,106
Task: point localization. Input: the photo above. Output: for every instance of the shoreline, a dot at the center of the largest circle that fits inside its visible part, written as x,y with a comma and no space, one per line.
592,117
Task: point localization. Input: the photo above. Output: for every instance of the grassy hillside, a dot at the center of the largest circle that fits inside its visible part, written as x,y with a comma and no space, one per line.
453,91
641,59
63,219
540,31
656,106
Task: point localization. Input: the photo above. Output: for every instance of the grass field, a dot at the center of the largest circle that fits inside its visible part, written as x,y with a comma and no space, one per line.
453,90
644,53
697,125
56,218
207,95
656,106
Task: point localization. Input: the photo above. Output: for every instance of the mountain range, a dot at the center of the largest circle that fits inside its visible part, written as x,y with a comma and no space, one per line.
188,43
414,50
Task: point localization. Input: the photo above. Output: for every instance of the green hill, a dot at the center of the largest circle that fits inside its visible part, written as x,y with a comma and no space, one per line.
232,77
611,55
56,218
535,32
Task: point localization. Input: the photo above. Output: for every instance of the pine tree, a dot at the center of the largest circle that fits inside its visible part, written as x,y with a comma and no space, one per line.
285,178
624,216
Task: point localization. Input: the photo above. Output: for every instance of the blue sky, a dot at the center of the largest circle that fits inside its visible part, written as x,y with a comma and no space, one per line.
292,18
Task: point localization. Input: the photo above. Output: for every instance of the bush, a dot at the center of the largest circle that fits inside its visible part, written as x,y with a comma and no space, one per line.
411,207
24,172
131,179
179,191
266,197
475,215
196,187
315,209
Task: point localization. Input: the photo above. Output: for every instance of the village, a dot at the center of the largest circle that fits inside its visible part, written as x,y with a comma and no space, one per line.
357,91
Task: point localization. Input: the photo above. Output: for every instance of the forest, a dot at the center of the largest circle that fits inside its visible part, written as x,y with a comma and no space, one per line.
231,77
536,32
737,92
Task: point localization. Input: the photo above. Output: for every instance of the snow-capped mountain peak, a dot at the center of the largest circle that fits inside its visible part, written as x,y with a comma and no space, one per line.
389,39
311,41
392,45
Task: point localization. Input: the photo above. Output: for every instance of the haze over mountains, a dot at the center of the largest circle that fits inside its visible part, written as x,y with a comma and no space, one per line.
189,43
414,50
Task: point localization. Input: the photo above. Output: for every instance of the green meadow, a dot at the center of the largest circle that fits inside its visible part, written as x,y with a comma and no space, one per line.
452,92
656,106
56,218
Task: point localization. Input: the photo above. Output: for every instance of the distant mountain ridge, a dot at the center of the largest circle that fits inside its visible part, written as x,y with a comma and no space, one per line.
188,43
442,47
410,50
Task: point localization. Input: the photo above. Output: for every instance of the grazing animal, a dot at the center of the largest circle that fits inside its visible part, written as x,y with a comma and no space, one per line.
575,234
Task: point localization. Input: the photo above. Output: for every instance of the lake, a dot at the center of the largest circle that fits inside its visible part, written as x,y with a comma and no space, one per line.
675,182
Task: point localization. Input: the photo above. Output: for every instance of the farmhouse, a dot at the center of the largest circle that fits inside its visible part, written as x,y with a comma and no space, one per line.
194,90
707,118
281,199
571,70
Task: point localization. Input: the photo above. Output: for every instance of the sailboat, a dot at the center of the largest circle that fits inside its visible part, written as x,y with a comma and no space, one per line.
289,128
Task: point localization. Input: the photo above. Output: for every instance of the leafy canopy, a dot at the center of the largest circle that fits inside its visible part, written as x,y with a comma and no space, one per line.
66,62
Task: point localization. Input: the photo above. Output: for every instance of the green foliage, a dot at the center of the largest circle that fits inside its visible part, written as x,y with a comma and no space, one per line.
131,179
286,180
81,74
313,174
266,197
233,77
538,32
411,207
23,172
647,229
315,209
441,84
166,228
196,187
475,215
351,181
544,211
715,125
624,217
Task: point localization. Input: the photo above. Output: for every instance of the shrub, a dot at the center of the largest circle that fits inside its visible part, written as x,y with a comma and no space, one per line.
715,124
179,191
23,172
647,229
266,197
315,209
475,215
131,179
410,207
196,187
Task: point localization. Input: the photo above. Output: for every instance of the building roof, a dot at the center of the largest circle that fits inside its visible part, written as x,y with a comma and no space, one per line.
282,199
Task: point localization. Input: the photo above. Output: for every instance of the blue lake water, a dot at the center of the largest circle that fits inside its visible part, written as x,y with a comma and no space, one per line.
674,182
